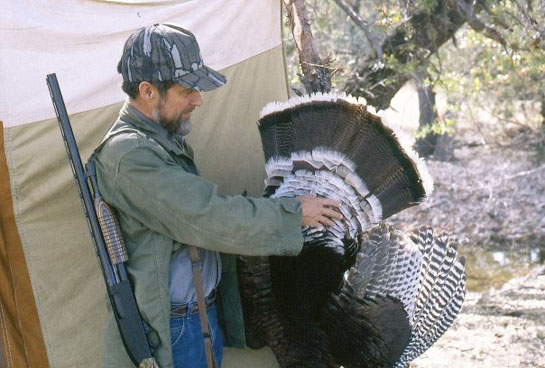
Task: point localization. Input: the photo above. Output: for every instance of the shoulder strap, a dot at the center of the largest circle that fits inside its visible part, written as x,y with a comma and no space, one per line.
197,280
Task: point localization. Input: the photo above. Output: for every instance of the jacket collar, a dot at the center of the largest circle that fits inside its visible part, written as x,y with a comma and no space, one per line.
174,143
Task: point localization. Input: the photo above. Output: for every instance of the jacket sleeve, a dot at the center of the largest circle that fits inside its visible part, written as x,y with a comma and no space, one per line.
149,184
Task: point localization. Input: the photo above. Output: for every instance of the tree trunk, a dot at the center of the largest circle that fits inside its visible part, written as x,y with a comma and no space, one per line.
438,146
316,74
444,148
412,42
425,146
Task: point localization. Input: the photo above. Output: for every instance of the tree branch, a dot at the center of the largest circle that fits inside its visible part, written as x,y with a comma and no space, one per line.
538,38
495,19
476,24
411,44
376,49
316,74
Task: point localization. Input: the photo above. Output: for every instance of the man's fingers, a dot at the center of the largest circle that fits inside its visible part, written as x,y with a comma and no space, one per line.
319,212
326,221
326,202
332,214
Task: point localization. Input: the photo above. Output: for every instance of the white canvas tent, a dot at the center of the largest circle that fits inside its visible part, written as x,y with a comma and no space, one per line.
52,308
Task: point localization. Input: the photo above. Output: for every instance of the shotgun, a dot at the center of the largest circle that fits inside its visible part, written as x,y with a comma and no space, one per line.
107,239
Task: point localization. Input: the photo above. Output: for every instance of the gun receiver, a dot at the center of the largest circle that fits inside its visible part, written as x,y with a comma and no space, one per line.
107,239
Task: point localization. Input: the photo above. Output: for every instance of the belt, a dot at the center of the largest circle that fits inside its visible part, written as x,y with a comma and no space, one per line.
182,310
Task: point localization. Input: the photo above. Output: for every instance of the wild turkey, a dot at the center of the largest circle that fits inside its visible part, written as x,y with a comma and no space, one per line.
361,293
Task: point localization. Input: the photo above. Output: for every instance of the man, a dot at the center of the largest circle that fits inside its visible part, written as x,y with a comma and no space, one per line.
145,170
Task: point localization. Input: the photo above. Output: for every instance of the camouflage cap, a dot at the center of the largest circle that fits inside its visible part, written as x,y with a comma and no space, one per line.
166,52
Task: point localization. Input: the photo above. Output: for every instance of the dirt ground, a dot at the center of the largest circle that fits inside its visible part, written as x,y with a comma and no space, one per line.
490,199
504,328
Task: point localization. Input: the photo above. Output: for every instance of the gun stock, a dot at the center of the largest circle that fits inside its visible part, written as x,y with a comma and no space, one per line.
107,239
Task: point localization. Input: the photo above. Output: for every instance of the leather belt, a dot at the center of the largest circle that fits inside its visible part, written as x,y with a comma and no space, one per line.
182,310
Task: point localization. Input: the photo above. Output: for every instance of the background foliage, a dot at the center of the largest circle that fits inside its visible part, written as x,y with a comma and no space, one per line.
490,73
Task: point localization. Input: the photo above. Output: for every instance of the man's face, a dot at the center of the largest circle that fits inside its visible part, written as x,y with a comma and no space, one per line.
173,110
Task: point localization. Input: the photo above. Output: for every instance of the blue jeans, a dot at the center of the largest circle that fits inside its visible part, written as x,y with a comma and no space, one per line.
187,340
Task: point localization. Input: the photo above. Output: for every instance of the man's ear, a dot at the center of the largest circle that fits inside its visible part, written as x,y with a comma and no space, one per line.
147,91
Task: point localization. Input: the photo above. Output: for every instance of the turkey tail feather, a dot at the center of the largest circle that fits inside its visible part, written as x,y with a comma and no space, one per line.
342,126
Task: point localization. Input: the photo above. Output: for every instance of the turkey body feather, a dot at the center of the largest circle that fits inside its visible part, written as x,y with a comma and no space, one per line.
360,293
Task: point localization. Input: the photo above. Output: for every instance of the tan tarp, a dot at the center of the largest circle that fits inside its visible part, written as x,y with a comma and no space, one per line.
21,342
81,41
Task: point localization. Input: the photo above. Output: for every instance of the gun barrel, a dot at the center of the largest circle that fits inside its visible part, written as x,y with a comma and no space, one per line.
79,176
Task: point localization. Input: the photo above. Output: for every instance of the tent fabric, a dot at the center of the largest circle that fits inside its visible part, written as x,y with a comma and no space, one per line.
81,40
21,342
231,128
47,238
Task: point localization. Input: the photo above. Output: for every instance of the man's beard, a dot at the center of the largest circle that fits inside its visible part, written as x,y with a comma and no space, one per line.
178,126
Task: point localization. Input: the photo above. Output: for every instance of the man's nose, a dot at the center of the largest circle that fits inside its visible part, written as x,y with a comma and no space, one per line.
197,99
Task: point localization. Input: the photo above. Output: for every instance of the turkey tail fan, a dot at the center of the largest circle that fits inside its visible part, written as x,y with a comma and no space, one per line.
418,284
340,134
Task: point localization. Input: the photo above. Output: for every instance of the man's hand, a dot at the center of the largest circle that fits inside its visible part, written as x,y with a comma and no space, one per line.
318,212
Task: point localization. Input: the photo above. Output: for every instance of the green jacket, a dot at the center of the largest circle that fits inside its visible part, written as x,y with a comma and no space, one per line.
162,203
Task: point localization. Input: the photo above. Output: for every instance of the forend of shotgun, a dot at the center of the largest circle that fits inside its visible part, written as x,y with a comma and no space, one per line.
111,231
